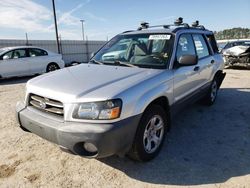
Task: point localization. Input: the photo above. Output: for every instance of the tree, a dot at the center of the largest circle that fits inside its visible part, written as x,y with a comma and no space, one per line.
234,33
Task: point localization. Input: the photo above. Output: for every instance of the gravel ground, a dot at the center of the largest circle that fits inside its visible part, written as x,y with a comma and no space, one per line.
207,147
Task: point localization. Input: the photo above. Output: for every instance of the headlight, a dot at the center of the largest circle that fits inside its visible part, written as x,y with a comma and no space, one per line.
104,110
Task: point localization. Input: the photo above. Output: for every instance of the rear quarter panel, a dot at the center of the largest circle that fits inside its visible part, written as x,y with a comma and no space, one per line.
217,66
56,58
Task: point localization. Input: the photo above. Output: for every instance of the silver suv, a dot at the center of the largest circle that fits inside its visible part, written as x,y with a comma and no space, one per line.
123,104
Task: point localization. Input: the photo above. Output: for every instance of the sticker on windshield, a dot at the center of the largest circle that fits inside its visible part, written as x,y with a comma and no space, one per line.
159,37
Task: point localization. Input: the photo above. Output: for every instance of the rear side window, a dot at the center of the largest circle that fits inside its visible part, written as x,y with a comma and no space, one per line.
201,46
185,46
33,52
213,43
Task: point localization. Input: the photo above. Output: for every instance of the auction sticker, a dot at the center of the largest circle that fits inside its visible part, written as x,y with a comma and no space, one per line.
159,37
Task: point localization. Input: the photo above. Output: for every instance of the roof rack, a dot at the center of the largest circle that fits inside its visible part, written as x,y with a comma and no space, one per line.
177,23
197,25
127,31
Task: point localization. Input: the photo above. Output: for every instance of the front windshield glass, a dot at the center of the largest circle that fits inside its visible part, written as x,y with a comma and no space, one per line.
142,50
2,50
246,43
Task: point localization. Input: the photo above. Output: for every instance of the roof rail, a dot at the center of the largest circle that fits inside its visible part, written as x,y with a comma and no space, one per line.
177,23
127,31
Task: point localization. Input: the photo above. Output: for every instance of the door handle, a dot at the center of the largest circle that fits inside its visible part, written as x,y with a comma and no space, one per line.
196,68
212,62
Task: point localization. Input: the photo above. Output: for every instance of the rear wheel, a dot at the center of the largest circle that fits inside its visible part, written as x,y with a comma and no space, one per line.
52,67
212,93
150,134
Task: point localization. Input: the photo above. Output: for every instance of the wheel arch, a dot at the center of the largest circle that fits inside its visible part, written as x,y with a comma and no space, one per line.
163,102
219,76
52,63
217,73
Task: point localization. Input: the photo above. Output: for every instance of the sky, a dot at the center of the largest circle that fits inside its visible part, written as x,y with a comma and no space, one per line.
106,18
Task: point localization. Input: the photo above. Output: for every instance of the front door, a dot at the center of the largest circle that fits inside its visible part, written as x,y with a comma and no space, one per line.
186,78
14,63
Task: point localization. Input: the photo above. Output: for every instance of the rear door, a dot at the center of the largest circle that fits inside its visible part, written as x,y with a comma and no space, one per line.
14,63
38,60
205,59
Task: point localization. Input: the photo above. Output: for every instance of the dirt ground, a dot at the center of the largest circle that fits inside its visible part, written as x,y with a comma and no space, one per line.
207,147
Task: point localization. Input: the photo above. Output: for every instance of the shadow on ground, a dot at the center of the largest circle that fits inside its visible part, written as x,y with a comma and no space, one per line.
238,67
15,80
206,145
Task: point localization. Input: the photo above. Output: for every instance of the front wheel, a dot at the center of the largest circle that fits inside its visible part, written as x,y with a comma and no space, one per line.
150,134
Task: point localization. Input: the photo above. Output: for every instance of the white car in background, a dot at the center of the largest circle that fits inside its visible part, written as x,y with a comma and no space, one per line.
27,60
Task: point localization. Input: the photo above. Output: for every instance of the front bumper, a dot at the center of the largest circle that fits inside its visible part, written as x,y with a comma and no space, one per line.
109,139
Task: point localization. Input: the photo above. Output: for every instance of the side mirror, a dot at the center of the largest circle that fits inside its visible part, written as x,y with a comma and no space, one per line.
186,60
5,57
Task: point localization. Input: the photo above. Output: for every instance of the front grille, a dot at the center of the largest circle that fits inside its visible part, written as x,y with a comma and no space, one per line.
46,104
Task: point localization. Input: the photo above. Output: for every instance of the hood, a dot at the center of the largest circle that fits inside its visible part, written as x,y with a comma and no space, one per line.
88,82
236,50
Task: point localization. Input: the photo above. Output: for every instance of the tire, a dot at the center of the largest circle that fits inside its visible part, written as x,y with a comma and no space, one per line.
148,140
52,67
211,96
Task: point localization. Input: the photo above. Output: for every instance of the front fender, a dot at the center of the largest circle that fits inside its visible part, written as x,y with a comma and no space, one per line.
164,89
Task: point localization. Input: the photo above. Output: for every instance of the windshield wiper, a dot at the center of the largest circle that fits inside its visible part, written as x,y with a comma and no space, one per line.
124,64
96,62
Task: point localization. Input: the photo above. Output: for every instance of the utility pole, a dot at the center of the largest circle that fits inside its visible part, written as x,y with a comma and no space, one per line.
87,48
57,39
82,29
27,40
86,43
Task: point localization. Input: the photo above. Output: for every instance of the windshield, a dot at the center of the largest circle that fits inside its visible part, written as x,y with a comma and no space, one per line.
246,43
142,50
2,50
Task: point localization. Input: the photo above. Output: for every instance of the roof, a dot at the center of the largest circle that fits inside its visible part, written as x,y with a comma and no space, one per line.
163,30
18,47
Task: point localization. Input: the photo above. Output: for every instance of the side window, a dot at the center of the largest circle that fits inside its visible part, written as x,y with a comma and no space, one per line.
19,53
213,43
226,46
7,55
33,52
230,45
201,46
185,46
